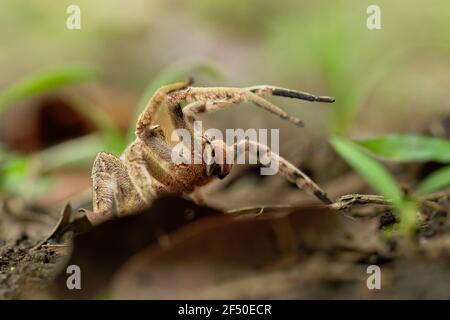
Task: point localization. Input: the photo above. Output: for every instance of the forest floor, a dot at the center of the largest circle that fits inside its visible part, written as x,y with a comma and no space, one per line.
176,249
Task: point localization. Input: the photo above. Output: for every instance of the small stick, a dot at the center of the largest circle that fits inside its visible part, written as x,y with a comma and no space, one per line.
344,203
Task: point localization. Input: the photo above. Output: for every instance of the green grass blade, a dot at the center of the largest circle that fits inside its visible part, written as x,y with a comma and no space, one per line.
78,152
16,170
373,172
41,83
436,181
114,140
379,179
408,148
176,72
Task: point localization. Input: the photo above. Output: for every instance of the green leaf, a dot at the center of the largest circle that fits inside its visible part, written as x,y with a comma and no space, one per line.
373,172
41,83
30,174
14,169
436,181
408,148
175,72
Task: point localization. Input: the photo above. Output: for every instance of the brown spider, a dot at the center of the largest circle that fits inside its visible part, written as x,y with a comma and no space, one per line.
145,171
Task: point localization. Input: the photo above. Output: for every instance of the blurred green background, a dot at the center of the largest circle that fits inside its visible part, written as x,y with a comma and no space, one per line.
319,46
391,80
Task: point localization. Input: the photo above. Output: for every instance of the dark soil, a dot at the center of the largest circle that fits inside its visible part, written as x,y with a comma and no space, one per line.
23,269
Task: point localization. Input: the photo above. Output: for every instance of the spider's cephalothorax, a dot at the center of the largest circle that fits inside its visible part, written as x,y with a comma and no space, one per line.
146,171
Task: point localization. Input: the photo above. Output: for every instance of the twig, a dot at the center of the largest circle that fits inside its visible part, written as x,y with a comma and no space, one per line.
344,203
65,224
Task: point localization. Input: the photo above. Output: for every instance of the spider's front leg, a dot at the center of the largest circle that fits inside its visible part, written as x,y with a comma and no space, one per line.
203,100
147,117
287,169
265,91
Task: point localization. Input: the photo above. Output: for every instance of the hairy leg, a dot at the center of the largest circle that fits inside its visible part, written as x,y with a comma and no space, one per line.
221,97
198,107
203,100
149,156
147,117
113,191
210,99
265,90
287,169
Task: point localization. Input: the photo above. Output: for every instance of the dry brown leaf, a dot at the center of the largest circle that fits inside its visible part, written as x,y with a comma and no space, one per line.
232,254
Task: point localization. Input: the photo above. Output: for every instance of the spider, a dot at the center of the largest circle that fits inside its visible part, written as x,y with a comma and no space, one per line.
145,171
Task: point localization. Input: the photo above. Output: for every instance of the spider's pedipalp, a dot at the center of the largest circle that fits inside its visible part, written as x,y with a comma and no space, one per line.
264,91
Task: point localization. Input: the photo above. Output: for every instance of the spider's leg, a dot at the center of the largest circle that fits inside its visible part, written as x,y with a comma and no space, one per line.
178,118
154,158
262,103
287,169
147,169
152,169
113,191
198,107
113,187
150,164
264,91
150,112
221,97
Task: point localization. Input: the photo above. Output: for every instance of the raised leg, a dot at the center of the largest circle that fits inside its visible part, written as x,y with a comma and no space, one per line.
171,96
147,117
265,90
287,169
194,108
157,157
212,99
152,169
113,191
